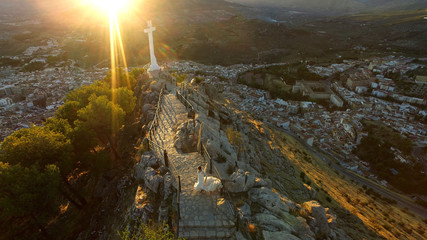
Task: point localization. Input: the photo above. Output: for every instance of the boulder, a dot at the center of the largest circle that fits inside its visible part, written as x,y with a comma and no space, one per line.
269,199
163,212
332,218
240,181
185,139
245,209
211,148
152,98
148,107
318,221
260,182
156,86
303,231
271,223
139,172
312,192
168,183
278,235
148,160
152,179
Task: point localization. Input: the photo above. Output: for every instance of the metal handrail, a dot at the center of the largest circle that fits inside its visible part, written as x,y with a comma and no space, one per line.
151,130
184,101
208,159
205,154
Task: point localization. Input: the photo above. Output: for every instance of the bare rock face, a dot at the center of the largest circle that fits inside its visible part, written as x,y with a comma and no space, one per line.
152,179
312,192
272,223
303,231
269,199
185,138
147,108
240,181
168,183
156,86
321,220
278,235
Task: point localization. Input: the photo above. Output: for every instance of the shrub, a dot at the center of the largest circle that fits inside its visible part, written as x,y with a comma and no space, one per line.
234,137
199,79
148,231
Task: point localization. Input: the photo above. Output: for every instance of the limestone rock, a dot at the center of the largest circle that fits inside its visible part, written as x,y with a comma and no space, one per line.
185,137
148,108
312,192
319,221
148,160
332,219
168,182
151,98
260,182
269,199
152,179
240,181
272,223
156,86
303,231
245,209
278,235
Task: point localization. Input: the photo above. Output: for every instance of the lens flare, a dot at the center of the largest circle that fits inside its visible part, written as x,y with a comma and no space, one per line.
110,6
113,8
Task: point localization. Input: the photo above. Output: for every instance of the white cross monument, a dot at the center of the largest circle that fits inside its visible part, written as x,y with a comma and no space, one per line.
153,66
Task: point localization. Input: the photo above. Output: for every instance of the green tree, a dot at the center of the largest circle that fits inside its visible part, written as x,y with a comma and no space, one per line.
28,195
37,145
68,111
125,99
137,72
83,138
82,94
104,118
123,79
40,147
58,125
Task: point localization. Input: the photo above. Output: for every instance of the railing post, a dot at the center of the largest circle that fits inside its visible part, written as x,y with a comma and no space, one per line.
179,198
165,156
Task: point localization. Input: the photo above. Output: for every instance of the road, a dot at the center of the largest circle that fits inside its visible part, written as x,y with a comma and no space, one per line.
402,200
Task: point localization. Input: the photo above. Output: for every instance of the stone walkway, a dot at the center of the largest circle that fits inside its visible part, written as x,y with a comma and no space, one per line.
203,215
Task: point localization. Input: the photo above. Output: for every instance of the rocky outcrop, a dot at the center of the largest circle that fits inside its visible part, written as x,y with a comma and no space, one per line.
278,235
269,200
186,137
321,220
240,181
152,180
272,223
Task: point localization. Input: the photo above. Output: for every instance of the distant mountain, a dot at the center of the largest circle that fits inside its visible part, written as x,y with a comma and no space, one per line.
22,8
335,6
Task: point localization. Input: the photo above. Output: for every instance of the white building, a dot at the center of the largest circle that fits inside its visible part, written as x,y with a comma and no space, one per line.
336,100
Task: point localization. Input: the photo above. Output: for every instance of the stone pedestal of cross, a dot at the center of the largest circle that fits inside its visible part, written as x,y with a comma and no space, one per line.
153,65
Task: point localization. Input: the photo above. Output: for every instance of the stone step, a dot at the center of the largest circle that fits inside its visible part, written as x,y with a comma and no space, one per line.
207,224
208,233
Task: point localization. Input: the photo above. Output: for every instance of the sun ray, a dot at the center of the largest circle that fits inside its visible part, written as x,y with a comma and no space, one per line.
122,51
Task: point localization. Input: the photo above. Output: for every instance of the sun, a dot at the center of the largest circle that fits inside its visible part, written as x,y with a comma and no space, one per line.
111,6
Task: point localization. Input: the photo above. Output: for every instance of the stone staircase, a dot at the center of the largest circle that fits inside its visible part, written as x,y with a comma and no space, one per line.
203,215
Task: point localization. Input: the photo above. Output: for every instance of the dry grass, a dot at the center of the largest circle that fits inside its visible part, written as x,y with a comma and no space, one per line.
389,221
